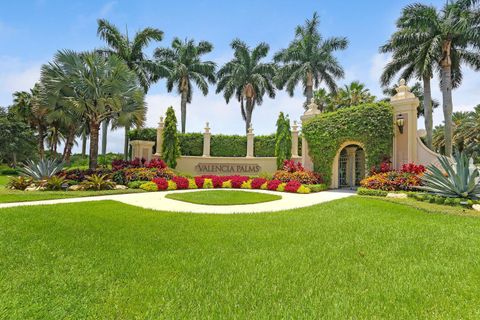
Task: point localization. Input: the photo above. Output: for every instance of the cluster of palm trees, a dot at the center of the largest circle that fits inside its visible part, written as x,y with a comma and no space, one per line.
431,42
80,92
353,94
466,133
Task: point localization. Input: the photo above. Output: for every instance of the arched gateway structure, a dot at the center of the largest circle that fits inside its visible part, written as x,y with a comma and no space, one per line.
340,145
350,146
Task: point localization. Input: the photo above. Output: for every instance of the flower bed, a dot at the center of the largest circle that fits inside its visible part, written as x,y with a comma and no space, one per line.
229,182
294,171
407,178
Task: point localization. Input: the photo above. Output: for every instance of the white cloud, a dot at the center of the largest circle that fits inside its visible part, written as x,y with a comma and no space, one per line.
16,75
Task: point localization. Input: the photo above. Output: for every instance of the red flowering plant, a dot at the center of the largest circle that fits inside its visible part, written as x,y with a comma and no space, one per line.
292,186
413,168
258,182
385,166
273,185
181,182
156,163
292,166
162,184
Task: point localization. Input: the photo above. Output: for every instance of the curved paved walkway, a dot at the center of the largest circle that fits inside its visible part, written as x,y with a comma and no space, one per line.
157,201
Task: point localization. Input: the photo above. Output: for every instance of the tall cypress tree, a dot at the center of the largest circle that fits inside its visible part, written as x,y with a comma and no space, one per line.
171,146
283,138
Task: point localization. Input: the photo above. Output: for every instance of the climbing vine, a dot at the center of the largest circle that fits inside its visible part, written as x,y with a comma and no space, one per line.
370,124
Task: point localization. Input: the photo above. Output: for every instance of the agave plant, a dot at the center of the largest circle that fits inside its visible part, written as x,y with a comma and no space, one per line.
459,180
98,182
41,170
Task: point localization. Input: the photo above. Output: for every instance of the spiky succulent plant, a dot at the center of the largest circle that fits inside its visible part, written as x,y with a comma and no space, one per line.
458,180
41,170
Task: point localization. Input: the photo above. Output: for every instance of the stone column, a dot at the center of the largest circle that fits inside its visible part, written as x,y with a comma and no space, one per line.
161,126
142,149
250,139
294,139
206,141
404,105
351,163
311,112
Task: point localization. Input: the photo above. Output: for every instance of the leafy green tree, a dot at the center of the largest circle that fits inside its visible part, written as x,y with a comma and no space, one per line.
27,106
246,77
454,35
171,145
283,140
309,60
186,68
17,139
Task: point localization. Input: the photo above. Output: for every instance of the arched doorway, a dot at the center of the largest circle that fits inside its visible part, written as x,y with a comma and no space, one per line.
351,166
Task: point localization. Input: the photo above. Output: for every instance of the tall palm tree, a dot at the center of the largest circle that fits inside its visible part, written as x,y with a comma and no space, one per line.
412,61
132,114
354,94
309,60
246,77
455,36
131,51
28,107
323,100
417,90
58,95
186,68
101,86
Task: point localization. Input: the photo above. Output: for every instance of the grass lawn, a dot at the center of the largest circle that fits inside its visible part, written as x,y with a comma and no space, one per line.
223,197
350,258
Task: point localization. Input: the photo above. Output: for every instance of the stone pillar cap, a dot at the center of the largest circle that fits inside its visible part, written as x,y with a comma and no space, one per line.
403,92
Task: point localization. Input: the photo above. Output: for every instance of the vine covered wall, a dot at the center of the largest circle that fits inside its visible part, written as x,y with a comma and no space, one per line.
370,124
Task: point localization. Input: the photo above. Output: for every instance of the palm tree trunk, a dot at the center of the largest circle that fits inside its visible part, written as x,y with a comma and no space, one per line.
84,144
69,145
447,107
309,88
41,150
14,155
104,138
183,110
248,114
93,156
428,110
125,143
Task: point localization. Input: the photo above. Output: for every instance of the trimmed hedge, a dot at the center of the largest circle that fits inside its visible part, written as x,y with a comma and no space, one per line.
371,192
191,144
370,124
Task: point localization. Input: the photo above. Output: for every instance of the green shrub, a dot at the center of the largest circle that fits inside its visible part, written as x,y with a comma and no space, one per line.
9,171
317,187
191,144
55,183
370,124
439,200
135,184
283,140
371,192
149,186
264,146
170,148
19,183
449,201
228,146
98,182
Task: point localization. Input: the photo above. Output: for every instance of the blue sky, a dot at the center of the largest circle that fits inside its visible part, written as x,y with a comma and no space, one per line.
32,31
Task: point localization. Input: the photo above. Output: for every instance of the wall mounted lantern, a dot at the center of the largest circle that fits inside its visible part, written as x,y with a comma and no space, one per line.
400,122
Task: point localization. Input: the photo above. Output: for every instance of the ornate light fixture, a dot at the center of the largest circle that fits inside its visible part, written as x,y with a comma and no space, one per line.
400,122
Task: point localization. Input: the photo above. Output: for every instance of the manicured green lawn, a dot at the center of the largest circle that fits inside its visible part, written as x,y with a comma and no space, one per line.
223,197
351,258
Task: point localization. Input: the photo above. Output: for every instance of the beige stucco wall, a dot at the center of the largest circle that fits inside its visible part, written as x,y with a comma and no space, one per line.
194,165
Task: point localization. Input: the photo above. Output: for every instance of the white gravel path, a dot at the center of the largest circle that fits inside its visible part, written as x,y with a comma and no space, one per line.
157,201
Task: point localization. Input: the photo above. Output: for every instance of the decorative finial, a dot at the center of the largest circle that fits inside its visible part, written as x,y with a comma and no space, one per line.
403,91
250,129
207,127
295,125
161,123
